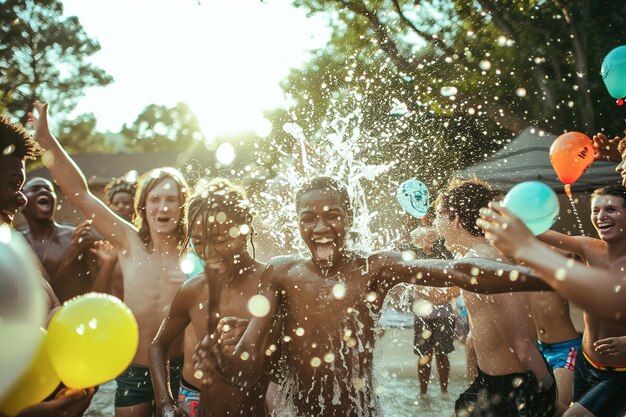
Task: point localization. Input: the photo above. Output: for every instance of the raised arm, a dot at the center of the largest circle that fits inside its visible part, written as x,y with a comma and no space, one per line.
597,291
73,183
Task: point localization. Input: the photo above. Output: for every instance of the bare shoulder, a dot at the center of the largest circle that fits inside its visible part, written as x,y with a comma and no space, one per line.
196,283
284,263
65,230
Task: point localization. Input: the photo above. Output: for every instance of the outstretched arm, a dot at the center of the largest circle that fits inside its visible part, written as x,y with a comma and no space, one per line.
471,274
73,183
597,291
171,328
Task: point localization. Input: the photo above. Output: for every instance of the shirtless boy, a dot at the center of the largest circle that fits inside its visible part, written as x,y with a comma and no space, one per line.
17,146
330,302
63,250
599,376
148,255
222,243
513,378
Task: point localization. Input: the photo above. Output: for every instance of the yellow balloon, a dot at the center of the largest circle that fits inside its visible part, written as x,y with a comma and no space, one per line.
39,381
92,339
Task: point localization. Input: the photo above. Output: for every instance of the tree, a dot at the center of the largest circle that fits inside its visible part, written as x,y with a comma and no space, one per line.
43,56
80,135
446,82
163,128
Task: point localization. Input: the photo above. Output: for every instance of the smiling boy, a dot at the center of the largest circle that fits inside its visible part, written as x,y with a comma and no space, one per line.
220,227
330,302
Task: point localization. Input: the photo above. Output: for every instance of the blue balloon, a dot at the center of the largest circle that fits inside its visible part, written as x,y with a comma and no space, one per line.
613,72
535,203
414,198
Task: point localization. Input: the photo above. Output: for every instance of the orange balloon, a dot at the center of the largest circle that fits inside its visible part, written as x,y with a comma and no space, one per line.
570,155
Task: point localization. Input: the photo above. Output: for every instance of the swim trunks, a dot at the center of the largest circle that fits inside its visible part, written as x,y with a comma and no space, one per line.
512,395
600,389
134,385
189,398
562,354
433,335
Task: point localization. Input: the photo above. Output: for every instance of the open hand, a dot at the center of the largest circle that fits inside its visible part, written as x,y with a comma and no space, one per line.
606,149
39,122
505,230
104,251
612,346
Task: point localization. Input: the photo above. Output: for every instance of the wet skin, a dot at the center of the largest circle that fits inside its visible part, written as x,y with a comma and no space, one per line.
61,249
227,260
12,176
329,339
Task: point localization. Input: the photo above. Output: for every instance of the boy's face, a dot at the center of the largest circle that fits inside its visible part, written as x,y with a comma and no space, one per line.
41,199
222,245
608,216
12,175
323,223
122,205
163,207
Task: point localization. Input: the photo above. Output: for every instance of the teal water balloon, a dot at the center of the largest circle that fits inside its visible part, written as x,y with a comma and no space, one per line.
613,72
414,198
535,203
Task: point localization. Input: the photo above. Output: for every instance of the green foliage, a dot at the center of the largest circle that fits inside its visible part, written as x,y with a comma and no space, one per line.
44,56
466,75
80,135
163,128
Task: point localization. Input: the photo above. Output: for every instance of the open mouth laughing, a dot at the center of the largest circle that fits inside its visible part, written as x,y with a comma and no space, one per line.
324,248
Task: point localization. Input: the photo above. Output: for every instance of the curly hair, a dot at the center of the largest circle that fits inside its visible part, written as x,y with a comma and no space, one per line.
464,198
119,185
146,183
222,196
16,141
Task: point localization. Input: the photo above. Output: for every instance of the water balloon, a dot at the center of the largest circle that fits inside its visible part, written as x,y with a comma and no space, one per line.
22,307
414,198
570,155
535,204
613,72
92,339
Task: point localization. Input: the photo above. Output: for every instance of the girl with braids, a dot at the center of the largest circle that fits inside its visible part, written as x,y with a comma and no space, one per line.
220,227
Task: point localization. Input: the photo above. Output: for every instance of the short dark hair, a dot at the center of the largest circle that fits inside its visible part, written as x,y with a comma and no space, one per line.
16,141
616,190
326,184
464,198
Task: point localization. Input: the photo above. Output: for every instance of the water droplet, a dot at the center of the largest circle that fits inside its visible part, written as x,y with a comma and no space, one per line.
408,256
299,331
560,274
225,154
520,91
221,217
514,275
422,308
315,362
329,357
449,91
186,265
259,305
8,150
484,65
47,159
339,291
244,356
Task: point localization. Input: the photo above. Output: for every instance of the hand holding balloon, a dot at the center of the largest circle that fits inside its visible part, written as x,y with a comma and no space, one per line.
414,198
535,204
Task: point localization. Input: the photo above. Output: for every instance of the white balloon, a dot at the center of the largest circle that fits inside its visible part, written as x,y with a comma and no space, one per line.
23,307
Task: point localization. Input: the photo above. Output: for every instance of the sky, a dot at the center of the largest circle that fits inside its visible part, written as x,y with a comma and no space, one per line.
224,58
